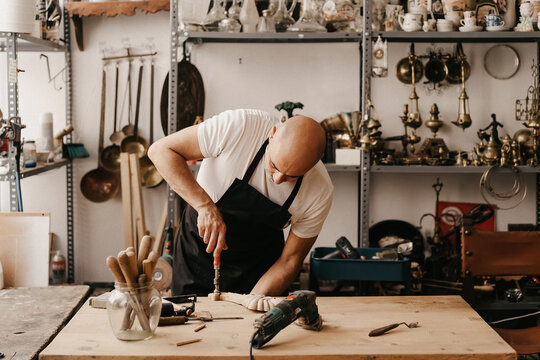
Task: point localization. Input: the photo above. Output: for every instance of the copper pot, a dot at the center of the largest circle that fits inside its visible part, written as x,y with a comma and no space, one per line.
100,185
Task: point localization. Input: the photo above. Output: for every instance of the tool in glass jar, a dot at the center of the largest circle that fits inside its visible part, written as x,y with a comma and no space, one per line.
385,329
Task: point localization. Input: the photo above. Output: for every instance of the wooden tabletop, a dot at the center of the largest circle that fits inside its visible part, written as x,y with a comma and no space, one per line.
31,316
449,329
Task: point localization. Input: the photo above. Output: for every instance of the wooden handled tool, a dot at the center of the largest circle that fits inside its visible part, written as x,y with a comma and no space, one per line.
144,250
114,266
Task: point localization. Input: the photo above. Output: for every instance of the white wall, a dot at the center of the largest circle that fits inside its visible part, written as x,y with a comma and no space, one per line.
324,77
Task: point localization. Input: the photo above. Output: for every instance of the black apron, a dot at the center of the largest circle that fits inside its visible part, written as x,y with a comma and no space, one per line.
254,237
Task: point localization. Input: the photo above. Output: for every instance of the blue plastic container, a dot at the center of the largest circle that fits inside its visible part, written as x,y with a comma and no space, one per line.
357,269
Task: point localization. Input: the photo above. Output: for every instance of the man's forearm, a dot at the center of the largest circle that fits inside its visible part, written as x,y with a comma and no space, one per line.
176,172
278,278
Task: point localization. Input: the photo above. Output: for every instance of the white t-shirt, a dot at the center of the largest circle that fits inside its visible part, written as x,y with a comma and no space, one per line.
229,142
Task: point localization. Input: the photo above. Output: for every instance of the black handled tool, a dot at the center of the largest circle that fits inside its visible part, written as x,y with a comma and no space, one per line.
385,329
346,249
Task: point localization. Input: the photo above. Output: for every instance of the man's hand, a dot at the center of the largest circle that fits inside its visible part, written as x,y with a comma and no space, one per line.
212,228
251,301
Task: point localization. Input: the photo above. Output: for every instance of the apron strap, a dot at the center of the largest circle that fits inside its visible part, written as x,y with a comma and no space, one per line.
255,162
291,197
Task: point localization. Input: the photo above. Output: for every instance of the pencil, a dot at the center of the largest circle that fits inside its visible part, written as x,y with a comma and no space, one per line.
187,342
200,327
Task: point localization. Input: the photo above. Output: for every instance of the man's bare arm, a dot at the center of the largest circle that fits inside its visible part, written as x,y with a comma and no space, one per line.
170,155
278,278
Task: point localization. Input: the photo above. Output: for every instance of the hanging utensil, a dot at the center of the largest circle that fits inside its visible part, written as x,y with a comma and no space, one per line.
189,96
149,174
100,185
435,70
135,144
117,135
129,129
404,70
454,66
110,156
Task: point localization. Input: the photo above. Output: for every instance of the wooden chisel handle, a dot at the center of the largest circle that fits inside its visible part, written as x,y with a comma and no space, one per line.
114,266
148,268
132,256
144,250
172,320
153,257
123,260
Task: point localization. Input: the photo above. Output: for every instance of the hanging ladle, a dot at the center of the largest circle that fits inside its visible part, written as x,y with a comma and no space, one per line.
100,185
117,135
135,144
149,174
129,129
110,156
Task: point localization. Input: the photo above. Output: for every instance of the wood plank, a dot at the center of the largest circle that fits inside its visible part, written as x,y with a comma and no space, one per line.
136,193
32,316
127,206
449,329
24,248
114,8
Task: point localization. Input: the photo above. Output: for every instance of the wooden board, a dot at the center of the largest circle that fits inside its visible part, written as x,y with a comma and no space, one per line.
449,329
31,316
24,248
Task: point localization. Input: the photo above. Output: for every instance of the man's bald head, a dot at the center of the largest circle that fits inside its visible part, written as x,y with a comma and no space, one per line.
296,146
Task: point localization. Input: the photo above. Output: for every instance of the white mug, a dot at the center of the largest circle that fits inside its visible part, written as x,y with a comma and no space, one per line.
468,22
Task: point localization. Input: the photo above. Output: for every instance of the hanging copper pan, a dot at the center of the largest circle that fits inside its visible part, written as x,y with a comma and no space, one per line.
135,144
190,97
150,177
100,185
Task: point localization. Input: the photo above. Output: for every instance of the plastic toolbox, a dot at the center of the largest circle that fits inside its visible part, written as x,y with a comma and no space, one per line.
357,269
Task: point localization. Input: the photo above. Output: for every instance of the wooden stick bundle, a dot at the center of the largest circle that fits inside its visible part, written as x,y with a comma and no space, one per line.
136,273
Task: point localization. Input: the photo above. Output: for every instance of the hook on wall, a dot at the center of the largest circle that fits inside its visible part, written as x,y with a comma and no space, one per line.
53,78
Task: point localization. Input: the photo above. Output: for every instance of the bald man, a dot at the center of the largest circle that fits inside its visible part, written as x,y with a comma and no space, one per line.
258,177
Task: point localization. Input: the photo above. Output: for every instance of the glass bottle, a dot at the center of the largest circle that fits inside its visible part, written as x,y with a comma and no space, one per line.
234,10
308,19
249,16
134,310
215,15
283,16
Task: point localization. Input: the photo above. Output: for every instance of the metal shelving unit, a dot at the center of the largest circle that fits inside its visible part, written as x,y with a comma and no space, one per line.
365,47
12,44
446,37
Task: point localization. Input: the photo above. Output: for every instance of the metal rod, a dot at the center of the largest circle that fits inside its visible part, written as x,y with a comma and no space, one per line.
128,56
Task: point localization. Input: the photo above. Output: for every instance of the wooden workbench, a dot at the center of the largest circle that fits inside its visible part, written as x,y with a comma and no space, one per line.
449,329
31,316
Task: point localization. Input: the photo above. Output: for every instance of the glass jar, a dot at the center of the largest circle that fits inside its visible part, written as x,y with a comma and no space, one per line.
29,153
134,311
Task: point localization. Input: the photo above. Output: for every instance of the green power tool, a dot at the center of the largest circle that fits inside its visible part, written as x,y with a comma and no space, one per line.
299,305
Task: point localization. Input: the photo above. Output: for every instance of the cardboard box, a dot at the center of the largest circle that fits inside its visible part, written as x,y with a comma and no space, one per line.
348,156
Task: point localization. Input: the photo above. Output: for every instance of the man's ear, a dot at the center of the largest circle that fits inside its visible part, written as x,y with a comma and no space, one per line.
273,132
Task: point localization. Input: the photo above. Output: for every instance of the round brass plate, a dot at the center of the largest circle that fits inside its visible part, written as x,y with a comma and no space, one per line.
404,73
